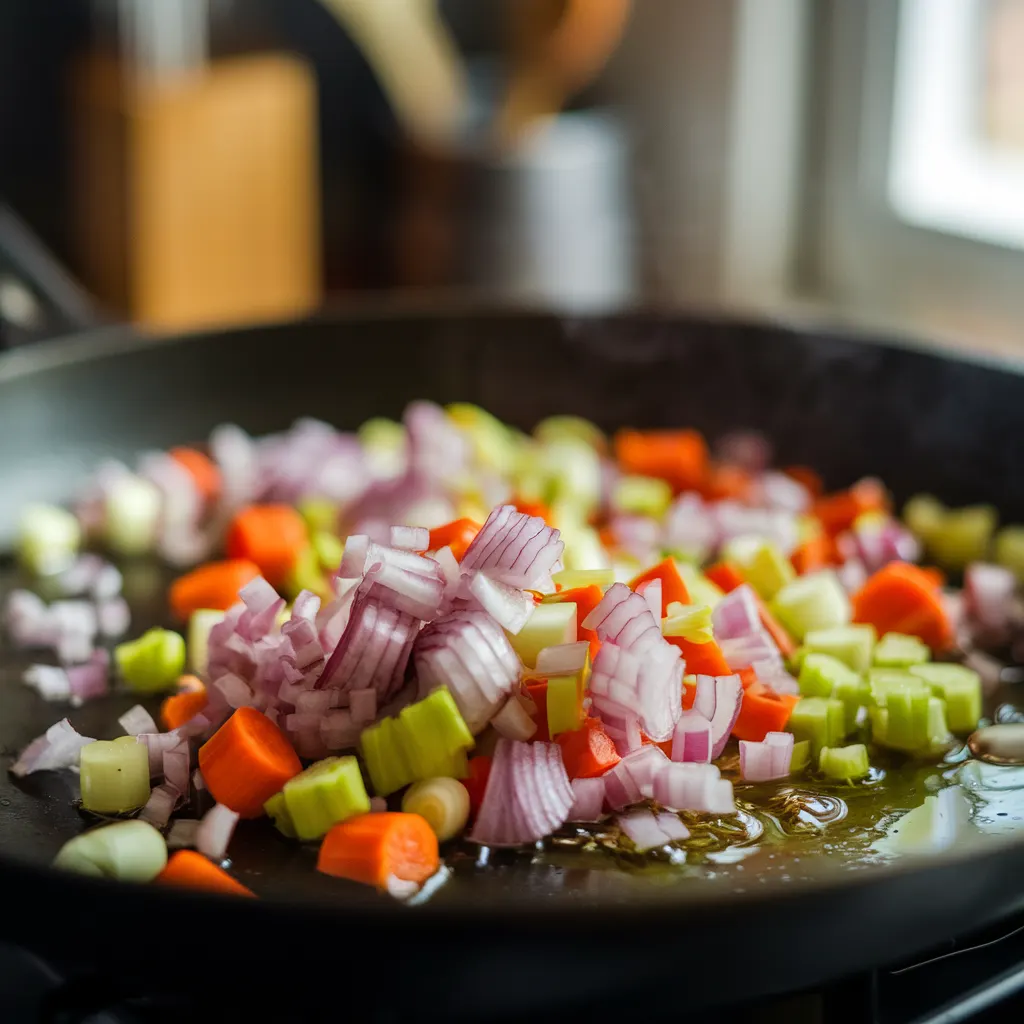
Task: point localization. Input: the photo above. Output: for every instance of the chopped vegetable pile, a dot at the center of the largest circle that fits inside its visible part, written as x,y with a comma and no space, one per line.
444,628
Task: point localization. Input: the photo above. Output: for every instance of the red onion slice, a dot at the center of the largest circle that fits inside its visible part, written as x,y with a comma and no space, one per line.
90,679
588,800
160,805
137,720
633,778
684,786
736,615
176,767
719,699
649,687
215,831
516,549
59,747
509,606
691,740
339,730
690,526
410,538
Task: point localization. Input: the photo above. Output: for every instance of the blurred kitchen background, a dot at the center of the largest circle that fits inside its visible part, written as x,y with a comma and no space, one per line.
200,162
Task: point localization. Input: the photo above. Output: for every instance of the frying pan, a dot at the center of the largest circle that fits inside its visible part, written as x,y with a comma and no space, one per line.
519,937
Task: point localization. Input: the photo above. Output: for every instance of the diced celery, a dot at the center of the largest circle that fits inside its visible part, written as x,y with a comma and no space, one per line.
565,704
131,515
820,674
938,730
307,574
584,550
801,756
854,694
319,514
741,550
199,625
844,763
768,572
905,722
690,621
433,733
963,536
48,539
812,602
384,445
897,650
1008,549
153,662
323,794
924,516
555,428
277,811
383,751
329,550
548,625
572,471
796,660
819,720
493,443
882,678
569,579
701,589
114,775
641,495
132,851
852,645
959,687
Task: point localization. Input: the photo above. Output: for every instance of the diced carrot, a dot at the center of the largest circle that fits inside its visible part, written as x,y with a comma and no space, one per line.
727,483
191,870
747,677
725,576
701,659
901,598
678,456
373,848
936,575
586,600
806,476
537,689
837,512
180,707
775,629
272,536
246,761
813,554
457,535
476,782
763,711
203,470
587,752
672,586
607,537
214,585
533,508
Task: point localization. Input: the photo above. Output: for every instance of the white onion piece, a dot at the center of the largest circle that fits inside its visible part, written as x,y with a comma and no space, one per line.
137,720
58,747
516,549
719,699
563,659
514,722
588,800
49,681
215,831
691,740
509,606
160,805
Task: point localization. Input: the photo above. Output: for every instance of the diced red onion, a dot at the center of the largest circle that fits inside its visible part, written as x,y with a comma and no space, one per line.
527,796
772,672
338,730
509,606
588,800
748,449
632,779
198,781
235,454
516,549
718,699
316,702
90,574
691,740
514,722
90,508
642,828
176,767
768,759
113,617
743,651
58,747
235,690
775,525
215,831
90,679
363,704
672,826
638,536
161,803
650,591
684,786
438,450
781,744
180,540
49,681
852,575
875,544
988,595
736,615
157,744
648,685
779,491
690,526
469,653
623,618
449,567
563,659
136,721
410,538
182,834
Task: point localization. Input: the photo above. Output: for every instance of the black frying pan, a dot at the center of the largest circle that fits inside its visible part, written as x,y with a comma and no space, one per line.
517,937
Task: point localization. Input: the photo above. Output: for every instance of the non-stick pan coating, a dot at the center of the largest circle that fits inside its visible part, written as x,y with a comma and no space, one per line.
918,420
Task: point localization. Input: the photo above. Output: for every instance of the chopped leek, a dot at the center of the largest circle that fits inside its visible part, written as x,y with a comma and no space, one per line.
549,624
819,720
1008,549
199,625
48,539
897,650
959,687
569,579
852,645
114,775
564,704
690,621
323,794
844,763
132,515
153,662
442,802
820,674
277,811
132,851
963,536
641,495
768,571
812,602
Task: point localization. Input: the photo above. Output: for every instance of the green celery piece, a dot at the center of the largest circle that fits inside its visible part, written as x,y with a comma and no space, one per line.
879,679
959,687
854,695
557,427
570,579
114,775
48,539
924,516
796,659
906,720
153,662
844,763
801,756
323,794
320,515
305,574
820,720
897,650
812,602
938,731
820,674
132,851
433,732
200,623
572,471
741,550
852,645
329,549
690,621
964,536
549,624
493,443
382,750
584,551
641,495
768,572
277,811
1008,549
565,704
